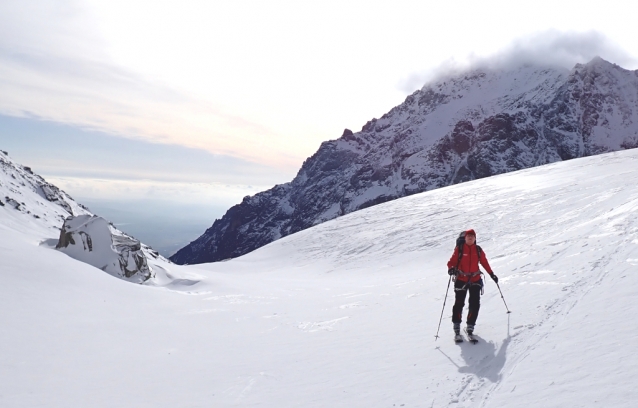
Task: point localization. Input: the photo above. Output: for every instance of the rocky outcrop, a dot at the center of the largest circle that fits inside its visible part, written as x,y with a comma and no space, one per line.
467,127
24,191
91,239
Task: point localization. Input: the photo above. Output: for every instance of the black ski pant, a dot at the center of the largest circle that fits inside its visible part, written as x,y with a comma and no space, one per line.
460,289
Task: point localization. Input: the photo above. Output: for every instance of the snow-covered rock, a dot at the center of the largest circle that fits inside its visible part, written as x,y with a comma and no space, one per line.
478,124
93,240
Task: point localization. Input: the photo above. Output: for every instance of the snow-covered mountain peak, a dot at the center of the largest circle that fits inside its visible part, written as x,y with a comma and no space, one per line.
603,76
476,124
598,63
496,81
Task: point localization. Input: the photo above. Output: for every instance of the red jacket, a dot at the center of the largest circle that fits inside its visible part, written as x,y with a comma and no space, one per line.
469,263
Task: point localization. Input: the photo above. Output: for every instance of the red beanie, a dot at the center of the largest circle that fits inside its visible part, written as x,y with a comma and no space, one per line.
470,232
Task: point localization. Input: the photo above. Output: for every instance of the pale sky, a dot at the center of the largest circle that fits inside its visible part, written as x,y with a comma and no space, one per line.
264,81
250,88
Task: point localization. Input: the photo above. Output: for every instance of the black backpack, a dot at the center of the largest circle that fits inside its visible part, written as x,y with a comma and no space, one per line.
460,241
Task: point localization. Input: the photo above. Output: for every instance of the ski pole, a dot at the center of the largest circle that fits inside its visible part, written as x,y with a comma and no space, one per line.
499,289
436,337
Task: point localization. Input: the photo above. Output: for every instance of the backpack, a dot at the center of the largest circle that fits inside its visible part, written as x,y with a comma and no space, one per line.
460,241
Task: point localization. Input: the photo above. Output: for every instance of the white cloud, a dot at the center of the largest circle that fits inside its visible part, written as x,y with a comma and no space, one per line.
548,48
264,81
54,65
98,96
564,49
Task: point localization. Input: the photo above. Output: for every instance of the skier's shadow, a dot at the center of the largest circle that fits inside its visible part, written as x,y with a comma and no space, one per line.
482,359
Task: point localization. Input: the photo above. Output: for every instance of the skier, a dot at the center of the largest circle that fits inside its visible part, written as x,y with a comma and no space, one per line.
464,265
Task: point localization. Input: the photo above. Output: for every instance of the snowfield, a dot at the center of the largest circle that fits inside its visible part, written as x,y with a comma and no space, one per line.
344,313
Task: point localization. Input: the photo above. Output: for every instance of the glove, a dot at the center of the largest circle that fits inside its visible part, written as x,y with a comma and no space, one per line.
451,271
494,277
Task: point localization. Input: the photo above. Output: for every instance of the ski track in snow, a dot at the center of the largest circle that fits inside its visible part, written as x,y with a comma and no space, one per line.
527,337
487,365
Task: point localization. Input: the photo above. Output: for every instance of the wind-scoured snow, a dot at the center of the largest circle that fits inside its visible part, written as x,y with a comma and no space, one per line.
344,313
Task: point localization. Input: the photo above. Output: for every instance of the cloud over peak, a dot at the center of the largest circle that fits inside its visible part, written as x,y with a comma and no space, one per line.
551,48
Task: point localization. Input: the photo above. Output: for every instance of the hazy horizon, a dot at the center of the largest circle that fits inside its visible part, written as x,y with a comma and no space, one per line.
165,226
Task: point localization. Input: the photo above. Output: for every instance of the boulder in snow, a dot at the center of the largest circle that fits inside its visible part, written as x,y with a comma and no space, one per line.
91,239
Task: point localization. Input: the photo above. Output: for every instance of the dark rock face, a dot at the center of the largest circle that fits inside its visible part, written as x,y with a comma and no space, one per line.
348,135
476,125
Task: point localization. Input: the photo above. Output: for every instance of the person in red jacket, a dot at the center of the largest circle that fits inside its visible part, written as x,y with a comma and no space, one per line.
465,267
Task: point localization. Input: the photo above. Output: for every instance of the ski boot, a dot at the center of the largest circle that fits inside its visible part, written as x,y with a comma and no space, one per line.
457,333
469,329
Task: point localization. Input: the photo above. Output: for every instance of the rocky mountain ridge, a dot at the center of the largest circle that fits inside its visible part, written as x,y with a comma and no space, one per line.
474,125
28,193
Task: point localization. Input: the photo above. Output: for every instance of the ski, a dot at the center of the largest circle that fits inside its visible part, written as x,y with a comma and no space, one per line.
471,338
458,338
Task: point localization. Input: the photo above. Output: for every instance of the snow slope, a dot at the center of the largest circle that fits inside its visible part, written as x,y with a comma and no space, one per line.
344,313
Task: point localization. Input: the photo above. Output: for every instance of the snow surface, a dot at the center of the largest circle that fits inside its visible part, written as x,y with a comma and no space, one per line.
344,313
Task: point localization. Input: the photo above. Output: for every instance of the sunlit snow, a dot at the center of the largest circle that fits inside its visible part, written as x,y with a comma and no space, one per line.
345,313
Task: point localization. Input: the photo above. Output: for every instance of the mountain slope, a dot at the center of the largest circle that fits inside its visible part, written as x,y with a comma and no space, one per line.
344,314
479,124
28,194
